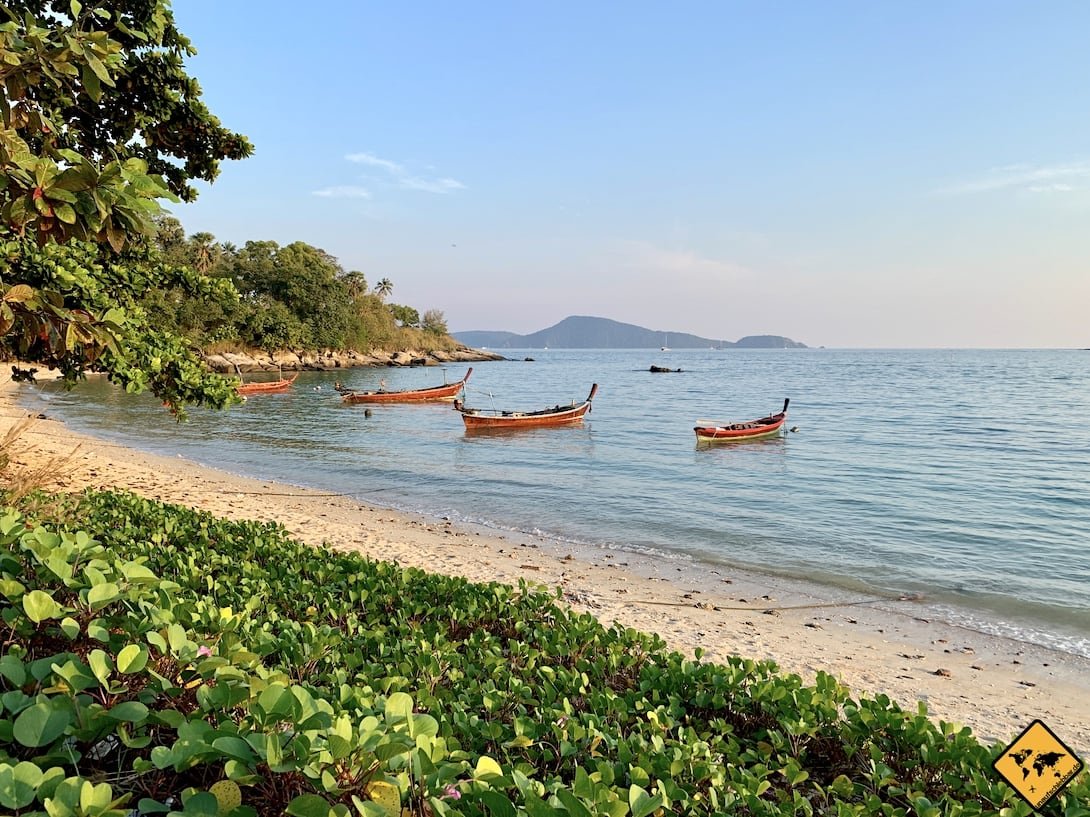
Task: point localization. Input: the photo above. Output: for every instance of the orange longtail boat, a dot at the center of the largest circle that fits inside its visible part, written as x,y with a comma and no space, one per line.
266,386
556,416
448,391
711,431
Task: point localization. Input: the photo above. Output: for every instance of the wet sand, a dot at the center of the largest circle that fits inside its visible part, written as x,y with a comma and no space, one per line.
995,685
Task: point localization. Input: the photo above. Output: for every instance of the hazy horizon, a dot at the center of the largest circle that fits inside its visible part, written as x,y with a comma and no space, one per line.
848,175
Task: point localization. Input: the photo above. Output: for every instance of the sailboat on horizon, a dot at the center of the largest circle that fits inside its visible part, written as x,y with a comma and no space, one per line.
665,343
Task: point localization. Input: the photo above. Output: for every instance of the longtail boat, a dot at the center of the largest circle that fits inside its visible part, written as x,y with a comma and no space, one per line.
710,431
266,386
448,391
555,416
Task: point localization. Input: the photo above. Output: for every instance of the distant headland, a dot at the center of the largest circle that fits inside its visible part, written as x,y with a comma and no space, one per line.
583,332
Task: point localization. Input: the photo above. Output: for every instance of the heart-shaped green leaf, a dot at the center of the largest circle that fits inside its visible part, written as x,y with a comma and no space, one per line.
40,606
42,723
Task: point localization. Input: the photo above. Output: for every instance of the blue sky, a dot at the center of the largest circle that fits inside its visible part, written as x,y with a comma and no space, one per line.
846,174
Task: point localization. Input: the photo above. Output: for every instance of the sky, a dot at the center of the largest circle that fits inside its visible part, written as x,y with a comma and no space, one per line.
859,174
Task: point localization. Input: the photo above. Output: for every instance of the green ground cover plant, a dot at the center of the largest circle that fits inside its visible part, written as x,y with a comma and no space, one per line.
158,660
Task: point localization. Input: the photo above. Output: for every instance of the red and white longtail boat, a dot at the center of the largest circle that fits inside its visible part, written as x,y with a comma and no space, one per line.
555,416
709,431
266,387
448,391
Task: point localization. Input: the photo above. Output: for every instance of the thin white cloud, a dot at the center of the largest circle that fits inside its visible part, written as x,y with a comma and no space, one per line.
431,185
346,191
682,263
1034,178
1050,188
400,177
374,161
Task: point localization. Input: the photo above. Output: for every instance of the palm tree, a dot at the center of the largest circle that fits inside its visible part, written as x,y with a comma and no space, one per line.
356,283
205,251
384,288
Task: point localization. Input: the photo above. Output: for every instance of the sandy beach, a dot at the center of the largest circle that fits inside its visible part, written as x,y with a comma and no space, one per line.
994,685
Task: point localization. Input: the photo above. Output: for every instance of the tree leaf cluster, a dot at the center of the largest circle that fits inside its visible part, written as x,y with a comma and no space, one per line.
166,660
99,121
294,296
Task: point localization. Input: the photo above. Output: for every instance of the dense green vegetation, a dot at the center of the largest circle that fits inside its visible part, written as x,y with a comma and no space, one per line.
291,297
98,122
159,658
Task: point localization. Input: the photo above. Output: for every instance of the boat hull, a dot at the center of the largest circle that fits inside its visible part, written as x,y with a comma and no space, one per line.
272,387
478,419
761,429
434,394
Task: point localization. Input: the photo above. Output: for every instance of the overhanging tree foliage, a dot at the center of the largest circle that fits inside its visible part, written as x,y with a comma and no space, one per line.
99,122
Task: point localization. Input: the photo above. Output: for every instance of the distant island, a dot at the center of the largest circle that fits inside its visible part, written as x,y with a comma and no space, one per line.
582,332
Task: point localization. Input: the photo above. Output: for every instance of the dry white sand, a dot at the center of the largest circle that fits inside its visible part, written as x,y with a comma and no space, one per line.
996,686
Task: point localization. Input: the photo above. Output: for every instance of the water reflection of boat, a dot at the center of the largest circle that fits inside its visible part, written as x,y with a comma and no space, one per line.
556,416
713,431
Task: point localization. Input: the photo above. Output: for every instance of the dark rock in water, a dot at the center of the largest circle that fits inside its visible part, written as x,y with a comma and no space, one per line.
528,359
662,369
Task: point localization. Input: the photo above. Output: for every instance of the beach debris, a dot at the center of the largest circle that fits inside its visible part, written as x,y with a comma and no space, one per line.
976,667
813,625
1027,683
771,612
943,673
910,657
529,567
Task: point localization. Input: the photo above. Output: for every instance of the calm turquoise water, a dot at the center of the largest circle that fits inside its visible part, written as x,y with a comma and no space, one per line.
961,475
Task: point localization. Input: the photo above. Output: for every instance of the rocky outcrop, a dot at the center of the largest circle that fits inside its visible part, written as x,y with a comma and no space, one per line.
230,362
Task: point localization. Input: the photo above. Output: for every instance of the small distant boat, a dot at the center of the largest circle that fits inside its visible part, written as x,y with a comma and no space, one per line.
266,386
475,419
710,431
665,341
447,391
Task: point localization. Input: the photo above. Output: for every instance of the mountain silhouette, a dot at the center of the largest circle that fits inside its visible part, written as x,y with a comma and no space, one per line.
584,332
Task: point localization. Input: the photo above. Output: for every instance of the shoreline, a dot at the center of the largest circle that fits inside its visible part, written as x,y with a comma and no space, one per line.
995,685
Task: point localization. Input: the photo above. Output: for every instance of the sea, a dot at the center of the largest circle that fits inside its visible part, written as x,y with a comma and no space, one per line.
959,475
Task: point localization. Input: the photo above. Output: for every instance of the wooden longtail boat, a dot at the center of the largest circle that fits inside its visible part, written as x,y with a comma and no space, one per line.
266,387
555,416
448,391
708,431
